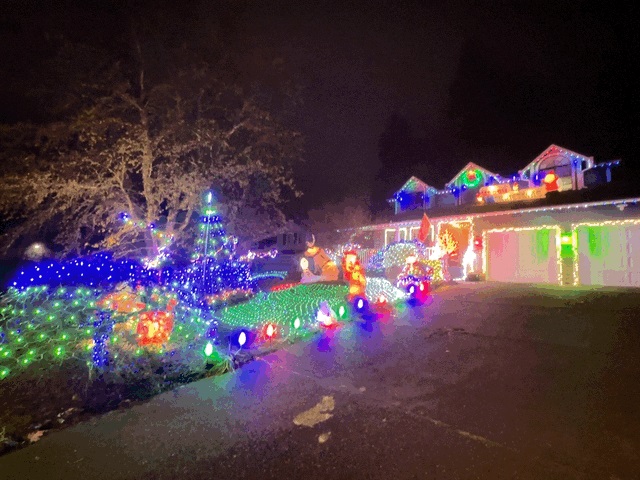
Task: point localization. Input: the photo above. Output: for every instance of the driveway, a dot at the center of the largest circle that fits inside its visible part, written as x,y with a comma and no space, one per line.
488,381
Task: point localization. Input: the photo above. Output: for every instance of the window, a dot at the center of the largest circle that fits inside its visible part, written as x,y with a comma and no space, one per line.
389,236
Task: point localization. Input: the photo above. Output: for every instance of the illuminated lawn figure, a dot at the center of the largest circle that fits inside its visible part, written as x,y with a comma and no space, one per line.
42,326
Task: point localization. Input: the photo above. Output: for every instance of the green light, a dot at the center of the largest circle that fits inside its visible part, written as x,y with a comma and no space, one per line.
472,178
208,349
4,373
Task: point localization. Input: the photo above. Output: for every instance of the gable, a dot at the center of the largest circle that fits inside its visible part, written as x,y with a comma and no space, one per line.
471,176
553,151
413,185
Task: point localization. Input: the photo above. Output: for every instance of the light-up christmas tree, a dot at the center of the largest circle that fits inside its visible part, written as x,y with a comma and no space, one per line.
215,274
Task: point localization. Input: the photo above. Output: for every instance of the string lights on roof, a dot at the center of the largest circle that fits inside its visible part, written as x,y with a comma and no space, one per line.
469,216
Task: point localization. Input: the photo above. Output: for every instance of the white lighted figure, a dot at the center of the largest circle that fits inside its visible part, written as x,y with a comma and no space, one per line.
468,260
325,316
307,276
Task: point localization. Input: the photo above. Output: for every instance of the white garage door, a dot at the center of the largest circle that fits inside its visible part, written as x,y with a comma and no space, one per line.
609,255
525,256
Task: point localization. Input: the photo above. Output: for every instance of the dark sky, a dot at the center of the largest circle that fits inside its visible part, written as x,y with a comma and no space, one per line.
490,82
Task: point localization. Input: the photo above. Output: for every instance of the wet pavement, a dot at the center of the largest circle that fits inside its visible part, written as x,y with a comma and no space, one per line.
487,381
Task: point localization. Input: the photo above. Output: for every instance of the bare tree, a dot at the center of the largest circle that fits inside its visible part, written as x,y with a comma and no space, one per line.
129,137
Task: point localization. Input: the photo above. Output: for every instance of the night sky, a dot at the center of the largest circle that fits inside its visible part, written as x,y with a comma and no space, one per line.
394,89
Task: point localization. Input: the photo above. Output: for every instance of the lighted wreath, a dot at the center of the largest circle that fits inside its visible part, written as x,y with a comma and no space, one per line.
472,178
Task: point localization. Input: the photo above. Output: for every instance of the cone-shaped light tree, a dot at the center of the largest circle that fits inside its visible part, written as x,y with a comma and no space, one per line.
215,273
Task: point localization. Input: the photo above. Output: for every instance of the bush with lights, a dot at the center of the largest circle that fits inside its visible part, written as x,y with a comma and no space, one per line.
394,257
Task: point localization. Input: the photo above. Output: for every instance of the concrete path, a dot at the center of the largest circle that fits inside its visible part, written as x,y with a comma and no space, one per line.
489,381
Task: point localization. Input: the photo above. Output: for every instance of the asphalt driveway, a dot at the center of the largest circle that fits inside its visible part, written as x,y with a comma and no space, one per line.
488,381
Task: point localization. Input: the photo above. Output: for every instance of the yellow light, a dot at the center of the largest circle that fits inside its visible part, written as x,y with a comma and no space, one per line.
492,189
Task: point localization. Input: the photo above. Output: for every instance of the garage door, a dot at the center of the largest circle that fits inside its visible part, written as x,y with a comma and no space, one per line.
525,256
609,255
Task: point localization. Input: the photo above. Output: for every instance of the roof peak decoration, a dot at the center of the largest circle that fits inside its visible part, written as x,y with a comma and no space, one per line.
471,176
555,150
414,184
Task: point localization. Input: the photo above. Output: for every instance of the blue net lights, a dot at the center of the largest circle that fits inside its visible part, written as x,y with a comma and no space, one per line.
100,270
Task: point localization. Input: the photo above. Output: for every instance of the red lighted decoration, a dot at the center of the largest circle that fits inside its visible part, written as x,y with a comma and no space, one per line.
121,302
425,225
551,181
283,286
353,274
155,327
269,331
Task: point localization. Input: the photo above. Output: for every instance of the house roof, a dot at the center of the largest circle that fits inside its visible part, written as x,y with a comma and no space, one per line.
555,150
621,189
414,184
471,166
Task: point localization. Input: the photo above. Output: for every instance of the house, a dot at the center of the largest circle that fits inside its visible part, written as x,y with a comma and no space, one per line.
560,220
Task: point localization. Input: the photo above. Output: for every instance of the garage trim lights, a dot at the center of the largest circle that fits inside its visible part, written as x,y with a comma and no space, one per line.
574,227
521,229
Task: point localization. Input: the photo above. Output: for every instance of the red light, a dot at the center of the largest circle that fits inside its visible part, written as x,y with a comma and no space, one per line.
270,330
283,286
